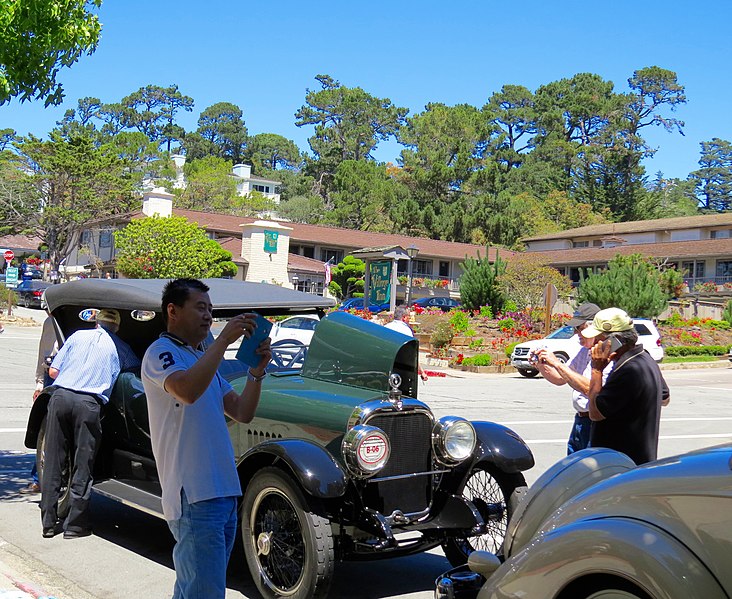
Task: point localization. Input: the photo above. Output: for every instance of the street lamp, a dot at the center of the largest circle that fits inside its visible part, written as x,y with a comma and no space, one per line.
412,252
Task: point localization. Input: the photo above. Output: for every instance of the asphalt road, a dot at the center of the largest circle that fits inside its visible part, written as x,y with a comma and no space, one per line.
129,553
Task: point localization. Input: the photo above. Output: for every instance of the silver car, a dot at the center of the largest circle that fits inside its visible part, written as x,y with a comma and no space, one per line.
596,526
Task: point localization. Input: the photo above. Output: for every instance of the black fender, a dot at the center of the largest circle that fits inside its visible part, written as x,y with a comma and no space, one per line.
495,444
501,446
36,416
314,468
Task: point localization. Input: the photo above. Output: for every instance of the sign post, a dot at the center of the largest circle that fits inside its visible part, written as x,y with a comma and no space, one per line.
550,298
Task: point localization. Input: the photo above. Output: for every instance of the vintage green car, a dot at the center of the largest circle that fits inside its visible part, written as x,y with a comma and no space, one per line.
596,526
342,461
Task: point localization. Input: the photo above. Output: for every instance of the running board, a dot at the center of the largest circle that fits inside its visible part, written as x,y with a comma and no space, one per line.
130,495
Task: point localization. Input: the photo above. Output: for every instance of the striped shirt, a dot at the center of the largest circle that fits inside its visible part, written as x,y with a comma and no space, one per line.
89,362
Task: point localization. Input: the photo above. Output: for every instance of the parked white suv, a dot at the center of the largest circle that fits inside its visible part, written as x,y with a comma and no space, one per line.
564,344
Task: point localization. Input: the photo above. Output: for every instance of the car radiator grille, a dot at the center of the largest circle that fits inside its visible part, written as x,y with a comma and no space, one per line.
520,351
410,436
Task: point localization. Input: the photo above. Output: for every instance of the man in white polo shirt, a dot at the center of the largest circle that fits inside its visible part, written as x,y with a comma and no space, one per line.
187,400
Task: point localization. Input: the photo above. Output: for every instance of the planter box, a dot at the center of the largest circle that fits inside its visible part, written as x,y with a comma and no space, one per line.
496,368
443,362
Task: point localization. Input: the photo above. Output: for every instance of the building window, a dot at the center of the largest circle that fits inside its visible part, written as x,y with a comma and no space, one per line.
261,188
580,244
724,271
597,243
303,250
690,271
723,234
444,268
105,239
328,253
421,268
86,237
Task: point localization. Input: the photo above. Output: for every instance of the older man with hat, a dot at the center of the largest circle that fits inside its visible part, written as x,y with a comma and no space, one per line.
626,408
84,371
576,374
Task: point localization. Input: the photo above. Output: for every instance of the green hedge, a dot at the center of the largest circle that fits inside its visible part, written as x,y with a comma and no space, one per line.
478,360
697,350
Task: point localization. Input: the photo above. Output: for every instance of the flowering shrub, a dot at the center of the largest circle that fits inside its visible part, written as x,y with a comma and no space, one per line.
727,286
457,360
478,360
706,287
507,324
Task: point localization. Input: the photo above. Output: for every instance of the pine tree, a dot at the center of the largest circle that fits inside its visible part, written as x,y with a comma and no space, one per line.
630,283
478,283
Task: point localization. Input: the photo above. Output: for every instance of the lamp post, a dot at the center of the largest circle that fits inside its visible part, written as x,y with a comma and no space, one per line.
412,252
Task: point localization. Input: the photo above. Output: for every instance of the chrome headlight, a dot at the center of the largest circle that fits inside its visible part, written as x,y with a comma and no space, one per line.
453,439
366,450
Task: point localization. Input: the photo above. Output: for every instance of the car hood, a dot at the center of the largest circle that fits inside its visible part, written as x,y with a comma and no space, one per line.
342,340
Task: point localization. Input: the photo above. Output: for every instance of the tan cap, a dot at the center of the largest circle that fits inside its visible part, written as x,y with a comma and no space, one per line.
610,320
108,315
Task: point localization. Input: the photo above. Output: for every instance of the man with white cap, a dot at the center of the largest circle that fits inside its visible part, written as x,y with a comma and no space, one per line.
84,371
576,374
626,409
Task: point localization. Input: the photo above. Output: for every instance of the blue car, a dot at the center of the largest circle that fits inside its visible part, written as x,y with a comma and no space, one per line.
441,303
356,303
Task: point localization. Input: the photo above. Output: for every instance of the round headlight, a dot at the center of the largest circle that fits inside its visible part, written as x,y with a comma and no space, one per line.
365,450
453,439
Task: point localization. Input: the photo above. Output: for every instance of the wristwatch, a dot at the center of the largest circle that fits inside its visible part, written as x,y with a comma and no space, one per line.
256,379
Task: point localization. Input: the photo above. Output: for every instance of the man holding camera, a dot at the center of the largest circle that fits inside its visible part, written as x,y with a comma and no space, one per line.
626,409
576,374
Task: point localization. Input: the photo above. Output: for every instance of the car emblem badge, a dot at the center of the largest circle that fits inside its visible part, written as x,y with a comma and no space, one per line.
395,394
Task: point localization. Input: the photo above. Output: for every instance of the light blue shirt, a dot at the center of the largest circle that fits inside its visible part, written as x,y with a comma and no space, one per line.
88,363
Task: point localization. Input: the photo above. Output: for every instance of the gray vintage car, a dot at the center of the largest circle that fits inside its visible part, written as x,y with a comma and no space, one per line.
595,526
341,461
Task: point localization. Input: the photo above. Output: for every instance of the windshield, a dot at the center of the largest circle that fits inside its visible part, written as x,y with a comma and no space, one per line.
563,333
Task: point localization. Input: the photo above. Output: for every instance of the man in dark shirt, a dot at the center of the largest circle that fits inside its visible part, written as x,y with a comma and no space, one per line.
626,410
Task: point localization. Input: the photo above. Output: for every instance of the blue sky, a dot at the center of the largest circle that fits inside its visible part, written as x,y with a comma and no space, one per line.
263,56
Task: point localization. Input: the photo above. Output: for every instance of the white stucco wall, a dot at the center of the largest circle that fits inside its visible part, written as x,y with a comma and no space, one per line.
264,266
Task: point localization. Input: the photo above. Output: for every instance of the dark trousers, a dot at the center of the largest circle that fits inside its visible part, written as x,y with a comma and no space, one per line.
579,438
73,425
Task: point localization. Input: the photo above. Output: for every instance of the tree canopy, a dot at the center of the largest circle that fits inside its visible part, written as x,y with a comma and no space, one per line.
38,40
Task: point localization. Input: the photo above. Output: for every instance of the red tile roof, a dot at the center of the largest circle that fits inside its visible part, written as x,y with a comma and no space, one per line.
303,264
673,250
20,242
640,226
344,238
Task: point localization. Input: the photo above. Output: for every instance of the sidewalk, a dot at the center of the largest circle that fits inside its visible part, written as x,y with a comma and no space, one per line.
14,584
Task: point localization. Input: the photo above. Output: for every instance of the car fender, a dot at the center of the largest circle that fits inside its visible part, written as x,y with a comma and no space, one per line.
558,484
501,446
627,549
36,416
314,468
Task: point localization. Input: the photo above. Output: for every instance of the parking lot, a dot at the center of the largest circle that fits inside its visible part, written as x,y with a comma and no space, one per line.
129,554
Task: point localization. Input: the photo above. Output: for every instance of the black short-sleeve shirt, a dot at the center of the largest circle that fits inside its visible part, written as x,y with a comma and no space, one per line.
630,401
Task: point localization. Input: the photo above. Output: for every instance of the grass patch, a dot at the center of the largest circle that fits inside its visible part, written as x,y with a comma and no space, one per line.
675,359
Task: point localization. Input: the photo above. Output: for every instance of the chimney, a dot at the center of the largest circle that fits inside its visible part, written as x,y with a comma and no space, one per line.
158,201
242,170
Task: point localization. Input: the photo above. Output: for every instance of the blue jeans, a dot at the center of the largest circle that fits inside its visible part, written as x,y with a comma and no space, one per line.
579,438
204,537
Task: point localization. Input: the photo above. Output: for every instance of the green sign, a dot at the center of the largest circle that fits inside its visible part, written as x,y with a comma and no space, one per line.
270,241
11,276
379,282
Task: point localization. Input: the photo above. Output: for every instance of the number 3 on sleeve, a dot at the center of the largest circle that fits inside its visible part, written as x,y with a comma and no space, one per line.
166,358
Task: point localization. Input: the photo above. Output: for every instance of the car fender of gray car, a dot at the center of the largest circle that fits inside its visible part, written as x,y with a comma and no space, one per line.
568,562
318,473
560,483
